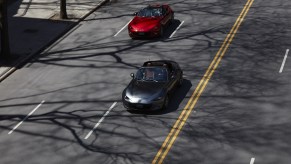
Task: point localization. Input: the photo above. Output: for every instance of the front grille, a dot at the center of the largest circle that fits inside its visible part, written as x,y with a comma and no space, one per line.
141,34
138,106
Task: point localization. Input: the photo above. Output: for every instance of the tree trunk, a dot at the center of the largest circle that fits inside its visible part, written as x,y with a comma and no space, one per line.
5,49
63,9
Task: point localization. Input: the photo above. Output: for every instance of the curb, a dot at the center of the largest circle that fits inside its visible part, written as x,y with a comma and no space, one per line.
23,60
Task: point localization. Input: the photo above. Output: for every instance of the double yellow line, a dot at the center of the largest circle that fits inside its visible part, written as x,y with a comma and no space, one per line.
172,136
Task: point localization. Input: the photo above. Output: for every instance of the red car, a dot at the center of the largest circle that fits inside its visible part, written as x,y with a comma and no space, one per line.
150,21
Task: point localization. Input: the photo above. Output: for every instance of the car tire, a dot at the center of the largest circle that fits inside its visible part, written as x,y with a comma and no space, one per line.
172,19
162,31
180,81
166,103
133,38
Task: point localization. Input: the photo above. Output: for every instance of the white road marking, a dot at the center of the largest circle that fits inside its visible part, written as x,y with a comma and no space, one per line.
284,60
252,161
27,116
122,28
176,29
99,122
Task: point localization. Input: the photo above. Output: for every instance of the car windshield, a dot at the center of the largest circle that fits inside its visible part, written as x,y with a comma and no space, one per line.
157,74
150,12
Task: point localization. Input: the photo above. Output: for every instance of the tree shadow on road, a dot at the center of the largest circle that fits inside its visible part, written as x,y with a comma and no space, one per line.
242,108
28,35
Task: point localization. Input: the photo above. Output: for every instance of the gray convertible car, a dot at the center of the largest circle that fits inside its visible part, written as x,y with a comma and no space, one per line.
152,85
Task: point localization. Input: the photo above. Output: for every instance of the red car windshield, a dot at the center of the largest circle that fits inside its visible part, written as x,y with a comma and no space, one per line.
150,12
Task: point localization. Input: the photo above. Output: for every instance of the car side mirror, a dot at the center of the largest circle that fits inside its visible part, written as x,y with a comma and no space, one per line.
132,75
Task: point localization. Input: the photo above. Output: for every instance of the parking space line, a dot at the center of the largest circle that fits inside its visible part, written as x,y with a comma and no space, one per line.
252,161
99,122
284,60
122,28
27,116
176,29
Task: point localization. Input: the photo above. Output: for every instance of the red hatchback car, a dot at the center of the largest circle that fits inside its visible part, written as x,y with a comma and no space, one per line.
150,21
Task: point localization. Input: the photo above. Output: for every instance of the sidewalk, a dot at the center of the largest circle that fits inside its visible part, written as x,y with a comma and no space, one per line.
34,25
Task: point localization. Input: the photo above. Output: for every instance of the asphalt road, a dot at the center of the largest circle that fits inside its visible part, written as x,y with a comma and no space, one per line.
243,116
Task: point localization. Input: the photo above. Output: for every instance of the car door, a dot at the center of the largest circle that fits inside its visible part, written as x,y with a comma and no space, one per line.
167,15
164,19
172,79
179,73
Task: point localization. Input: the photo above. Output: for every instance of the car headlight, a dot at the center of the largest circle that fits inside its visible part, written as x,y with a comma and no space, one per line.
131,98
158,98
126,98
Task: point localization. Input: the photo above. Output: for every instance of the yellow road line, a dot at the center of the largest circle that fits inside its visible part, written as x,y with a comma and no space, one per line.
163,151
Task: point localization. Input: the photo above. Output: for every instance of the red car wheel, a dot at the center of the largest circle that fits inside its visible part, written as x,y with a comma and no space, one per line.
161,31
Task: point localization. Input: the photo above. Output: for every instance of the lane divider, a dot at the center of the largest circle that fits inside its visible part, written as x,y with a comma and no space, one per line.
26,117
252,161
122,28
172,136
177,29
99,122
284,61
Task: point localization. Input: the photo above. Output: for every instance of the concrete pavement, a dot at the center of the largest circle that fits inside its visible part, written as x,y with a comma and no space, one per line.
34,25
243,113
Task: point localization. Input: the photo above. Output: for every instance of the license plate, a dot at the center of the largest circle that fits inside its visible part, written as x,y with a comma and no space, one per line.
141,33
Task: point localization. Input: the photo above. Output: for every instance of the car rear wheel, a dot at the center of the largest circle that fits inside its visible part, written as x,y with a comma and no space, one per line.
180,81
166,103
172,19
161,31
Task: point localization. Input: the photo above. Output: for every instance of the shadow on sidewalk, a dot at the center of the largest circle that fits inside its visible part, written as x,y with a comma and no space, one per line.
30,35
